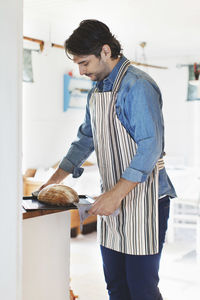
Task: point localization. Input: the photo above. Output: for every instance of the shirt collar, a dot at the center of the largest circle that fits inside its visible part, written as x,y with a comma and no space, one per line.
107,84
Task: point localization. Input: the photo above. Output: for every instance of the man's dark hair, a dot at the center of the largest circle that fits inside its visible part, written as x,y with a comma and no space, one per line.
89,38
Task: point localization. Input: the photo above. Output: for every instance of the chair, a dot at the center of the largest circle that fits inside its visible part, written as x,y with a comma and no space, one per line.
185,209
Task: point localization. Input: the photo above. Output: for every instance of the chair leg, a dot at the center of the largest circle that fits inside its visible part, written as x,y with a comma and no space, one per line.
198,239
171,229
72,296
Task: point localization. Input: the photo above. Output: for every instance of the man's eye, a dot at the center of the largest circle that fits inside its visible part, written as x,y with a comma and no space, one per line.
85,65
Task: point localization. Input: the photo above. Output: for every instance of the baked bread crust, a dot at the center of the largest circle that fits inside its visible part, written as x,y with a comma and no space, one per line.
58,194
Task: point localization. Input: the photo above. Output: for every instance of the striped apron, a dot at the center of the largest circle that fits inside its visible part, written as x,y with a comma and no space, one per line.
135,229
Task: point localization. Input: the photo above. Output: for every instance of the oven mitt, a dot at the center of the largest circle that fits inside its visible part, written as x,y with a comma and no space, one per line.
83,212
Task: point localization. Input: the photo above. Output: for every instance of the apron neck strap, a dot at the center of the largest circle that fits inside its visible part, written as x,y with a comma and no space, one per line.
120,75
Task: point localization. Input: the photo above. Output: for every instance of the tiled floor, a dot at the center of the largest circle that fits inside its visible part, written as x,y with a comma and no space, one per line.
179,271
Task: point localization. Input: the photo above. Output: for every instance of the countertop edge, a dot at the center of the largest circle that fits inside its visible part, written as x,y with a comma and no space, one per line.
42,212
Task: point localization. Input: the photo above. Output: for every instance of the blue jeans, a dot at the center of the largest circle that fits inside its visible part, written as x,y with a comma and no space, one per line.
135,277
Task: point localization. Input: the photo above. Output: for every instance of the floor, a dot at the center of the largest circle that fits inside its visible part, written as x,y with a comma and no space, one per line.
179,271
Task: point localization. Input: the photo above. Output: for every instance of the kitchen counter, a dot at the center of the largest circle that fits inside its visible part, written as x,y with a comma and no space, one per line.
46,241
75,220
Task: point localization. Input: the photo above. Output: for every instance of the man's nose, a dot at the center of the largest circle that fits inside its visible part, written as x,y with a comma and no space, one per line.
81,70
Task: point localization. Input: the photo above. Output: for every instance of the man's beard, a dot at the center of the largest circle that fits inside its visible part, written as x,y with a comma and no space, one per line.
98,76
101,75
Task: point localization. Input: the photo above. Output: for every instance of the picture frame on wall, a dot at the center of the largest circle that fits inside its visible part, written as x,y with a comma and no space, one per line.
193,84
75,92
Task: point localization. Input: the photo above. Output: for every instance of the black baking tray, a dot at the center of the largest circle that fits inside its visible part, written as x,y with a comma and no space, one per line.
30,203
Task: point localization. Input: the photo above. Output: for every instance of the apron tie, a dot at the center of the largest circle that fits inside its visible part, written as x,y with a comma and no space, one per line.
160,164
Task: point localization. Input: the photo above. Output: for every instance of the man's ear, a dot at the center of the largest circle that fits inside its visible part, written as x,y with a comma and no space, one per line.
106,51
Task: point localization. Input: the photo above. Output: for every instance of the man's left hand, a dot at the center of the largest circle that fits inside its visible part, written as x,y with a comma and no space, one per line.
109,201
105,204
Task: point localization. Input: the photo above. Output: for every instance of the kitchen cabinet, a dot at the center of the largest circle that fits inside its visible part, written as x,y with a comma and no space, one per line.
46,255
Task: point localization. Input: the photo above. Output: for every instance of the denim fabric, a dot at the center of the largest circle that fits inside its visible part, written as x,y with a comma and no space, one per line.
135,277
139,108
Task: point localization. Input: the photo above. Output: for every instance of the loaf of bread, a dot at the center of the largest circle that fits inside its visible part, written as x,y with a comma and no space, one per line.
58,194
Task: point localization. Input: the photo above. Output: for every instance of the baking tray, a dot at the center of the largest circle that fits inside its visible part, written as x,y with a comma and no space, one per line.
30,203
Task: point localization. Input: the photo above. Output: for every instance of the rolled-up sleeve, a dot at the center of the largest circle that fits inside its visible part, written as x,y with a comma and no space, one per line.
81,148
144,121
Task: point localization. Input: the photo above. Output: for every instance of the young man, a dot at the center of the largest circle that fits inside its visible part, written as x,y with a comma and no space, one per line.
124,125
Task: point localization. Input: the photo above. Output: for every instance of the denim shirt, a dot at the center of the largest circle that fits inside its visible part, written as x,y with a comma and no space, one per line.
139,108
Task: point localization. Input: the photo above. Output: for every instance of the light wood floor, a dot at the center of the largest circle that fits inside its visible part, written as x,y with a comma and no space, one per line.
179,272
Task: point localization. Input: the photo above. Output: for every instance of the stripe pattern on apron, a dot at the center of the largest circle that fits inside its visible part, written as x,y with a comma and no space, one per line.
135,229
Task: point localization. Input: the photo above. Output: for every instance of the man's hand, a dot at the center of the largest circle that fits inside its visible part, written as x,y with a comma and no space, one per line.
108,202
105,204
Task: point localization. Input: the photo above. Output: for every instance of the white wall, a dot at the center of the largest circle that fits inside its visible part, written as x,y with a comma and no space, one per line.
10,149
48,130
181,117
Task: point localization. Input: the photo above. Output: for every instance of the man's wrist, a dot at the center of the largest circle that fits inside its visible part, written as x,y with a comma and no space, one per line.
58,176
122,188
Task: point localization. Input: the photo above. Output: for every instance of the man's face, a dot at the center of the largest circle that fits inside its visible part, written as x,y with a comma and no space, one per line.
94,67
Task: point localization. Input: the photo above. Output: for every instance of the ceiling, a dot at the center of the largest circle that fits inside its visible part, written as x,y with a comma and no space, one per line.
170,28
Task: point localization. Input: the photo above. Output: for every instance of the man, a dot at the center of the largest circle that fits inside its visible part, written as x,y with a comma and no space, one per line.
124,125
